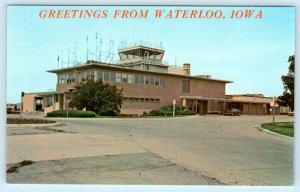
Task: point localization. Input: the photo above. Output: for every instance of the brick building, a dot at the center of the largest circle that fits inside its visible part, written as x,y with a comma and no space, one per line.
148,83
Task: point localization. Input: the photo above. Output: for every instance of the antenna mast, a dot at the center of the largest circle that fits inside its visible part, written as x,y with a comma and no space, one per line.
62,59
57,61
96,46
87,48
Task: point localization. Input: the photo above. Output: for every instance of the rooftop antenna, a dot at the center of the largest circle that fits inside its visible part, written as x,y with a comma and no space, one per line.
99,58
62,59
175,61
87,48
76,53
112,55
109,52
57,61
96,46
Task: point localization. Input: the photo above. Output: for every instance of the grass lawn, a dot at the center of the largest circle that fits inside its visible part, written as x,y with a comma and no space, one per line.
283,128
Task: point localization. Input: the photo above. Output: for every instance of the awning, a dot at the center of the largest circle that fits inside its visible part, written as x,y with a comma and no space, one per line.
205,98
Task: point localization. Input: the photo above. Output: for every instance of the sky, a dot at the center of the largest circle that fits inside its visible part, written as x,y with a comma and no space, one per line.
252,53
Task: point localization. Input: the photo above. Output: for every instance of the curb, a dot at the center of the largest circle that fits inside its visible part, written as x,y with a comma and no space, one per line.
32,125
274,133
126,118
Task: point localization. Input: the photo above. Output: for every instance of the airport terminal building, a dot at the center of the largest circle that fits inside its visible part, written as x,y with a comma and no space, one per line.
148,83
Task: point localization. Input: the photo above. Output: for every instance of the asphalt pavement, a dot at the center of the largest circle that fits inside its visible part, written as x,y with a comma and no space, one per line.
203,150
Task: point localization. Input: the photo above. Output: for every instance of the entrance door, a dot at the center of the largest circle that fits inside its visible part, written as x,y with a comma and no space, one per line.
38,103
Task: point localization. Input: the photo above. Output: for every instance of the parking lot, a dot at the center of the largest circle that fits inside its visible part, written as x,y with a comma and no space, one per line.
210,150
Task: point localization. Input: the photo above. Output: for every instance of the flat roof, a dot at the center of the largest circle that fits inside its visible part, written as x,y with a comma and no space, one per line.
125,49
118,67
222,99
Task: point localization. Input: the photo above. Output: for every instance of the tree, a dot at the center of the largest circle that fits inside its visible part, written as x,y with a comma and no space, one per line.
96,96
287,98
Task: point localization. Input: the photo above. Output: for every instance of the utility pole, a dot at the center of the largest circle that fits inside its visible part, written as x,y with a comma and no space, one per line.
174,104
273,110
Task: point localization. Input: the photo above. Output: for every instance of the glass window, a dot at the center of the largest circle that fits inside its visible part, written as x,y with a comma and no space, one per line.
161,81
118,77
156,81
147,80
113,76
56,98
106,76
136,79
142,78
99,75
124,78
151,80
185,86
130,77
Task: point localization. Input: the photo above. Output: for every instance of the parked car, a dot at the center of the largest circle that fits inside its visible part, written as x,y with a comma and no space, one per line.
232,112
291,113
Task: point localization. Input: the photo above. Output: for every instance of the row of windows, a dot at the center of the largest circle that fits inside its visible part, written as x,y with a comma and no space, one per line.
113,77
137,99
66,78
130,78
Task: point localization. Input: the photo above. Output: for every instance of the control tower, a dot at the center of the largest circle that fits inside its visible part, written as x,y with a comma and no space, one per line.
144,57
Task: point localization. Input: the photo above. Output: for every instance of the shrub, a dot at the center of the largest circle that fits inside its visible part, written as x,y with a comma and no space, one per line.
187,113
72,113
168,111
145,113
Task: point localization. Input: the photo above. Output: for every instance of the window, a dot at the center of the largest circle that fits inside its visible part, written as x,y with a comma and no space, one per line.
113,76
124,78
185,86
70,78
118,77
147,80
161,81
156,81
89,75
100,75
151,80
56,98
136,79
130,77
106,76
142,78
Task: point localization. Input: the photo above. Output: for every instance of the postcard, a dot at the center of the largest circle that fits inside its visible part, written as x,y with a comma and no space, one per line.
150,95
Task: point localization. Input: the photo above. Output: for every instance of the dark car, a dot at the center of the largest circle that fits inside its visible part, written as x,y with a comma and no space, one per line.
232,112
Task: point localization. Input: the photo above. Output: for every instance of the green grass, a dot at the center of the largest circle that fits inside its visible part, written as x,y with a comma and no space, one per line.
283,128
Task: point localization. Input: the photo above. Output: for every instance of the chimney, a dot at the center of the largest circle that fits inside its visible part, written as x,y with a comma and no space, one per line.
187,67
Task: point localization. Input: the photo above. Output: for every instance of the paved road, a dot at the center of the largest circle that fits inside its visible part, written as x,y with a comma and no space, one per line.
214,150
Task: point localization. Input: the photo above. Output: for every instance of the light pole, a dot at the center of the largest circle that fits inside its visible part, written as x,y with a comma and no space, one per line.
273,110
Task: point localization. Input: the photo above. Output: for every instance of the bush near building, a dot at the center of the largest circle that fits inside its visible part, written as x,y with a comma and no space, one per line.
168,111
103,99
71,113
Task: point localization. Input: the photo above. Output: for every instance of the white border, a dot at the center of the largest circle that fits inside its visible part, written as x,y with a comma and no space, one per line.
11,187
